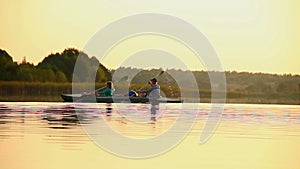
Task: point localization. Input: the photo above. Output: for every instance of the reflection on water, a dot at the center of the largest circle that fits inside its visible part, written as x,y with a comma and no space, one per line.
48,124
15,118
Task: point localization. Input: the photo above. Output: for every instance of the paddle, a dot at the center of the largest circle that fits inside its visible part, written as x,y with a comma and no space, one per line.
125,78
100,88
159,74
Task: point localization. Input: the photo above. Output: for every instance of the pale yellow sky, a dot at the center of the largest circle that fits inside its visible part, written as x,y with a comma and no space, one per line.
248,35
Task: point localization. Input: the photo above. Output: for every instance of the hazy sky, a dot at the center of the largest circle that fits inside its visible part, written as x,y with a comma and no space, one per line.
248,35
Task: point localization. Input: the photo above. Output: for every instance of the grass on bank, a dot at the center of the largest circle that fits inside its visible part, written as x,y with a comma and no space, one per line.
38,91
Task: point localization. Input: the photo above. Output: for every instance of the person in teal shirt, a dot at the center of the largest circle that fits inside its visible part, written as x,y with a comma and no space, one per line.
108,91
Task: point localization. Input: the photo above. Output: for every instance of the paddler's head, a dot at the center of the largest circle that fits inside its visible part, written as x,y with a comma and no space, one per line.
153,81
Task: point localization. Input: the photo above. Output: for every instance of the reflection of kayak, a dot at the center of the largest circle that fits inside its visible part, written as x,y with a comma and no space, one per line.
114,99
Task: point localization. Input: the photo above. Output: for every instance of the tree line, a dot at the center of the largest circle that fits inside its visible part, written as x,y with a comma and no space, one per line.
235,81
242,87
56,67
56,72
59,67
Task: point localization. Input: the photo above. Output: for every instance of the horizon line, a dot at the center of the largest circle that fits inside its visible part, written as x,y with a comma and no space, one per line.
159,68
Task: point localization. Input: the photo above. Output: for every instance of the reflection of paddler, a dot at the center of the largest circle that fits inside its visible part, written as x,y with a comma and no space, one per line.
153,93
108,109
154,109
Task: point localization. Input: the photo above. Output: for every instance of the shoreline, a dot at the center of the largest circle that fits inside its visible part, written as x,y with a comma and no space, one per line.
202,100
50,92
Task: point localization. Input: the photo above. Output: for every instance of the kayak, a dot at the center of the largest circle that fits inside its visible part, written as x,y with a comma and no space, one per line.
115,99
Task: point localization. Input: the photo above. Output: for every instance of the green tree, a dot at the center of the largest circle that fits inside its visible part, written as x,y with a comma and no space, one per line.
259,87
8,68
26,72
61,77
50,75
101,75
65,62
287,86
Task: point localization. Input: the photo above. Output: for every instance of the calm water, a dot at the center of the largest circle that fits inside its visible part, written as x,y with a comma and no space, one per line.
52,135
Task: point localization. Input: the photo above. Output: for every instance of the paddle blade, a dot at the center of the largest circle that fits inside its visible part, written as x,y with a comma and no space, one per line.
161,73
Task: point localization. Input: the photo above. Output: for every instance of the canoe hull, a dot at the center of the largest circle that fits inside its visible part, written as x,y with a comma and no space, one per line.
114,99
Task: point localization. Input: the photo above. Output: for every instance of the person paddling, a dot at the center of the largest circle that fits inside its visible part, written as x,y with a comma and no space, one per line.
153,92
108,91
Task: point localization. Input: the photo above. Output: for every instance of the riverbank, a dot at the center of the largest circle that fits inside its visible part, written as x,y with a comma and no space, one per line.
50,92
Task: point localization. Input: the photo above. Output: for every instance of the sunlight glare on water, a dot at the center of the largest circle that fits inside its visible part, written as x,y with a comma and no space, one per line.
51,135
